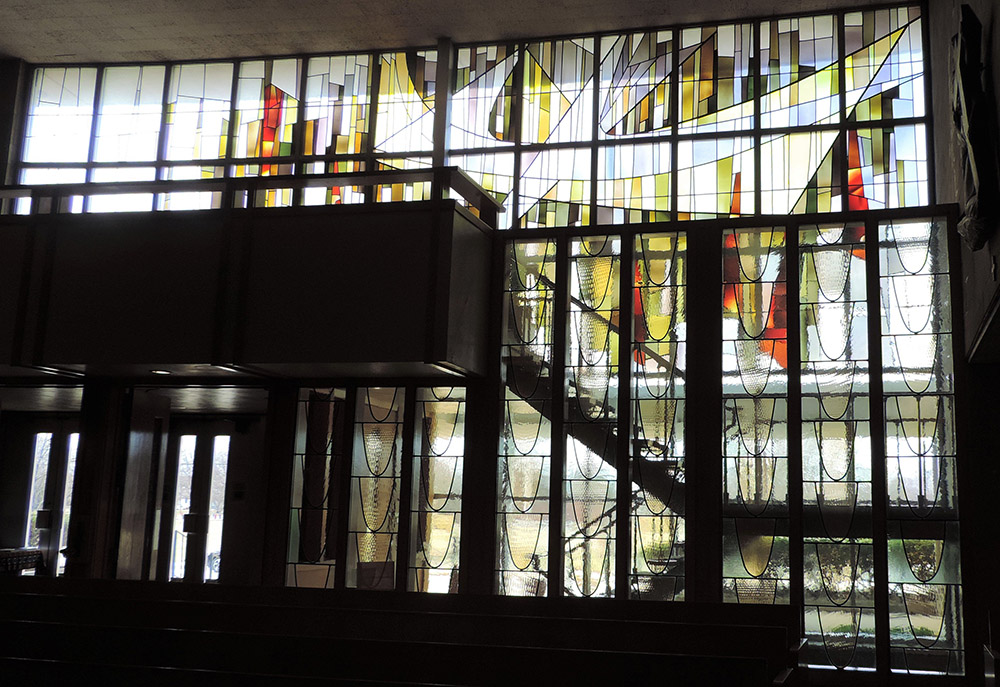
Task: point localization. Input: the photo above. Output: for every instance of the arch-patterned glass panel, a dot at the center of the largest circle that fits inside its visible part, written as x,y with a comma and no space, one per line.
525,442
755,417
659,367
838,555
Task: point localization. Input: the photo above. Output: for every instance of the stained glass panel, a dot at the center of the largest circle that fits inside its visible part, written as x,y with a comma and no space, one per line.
375,487
60,114
887,168
884,64
659,340
590,478
755,417
128,116
557,102
800,172
267,110
800,82
483,97
316,475
436,492
525,444
198,111
636,70
715,178
337,105
405,118
715,78
838,565
925,592
555,188
633,183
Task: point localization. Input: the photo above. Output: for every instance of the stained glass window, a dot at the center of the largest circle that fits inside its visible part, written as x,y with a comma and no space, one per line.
590,424
60,114
436,499
557,101
659,366
755,417
525,442
800,82
636,71
267,110
405,117
925,590
838,555
316,476
337,105
128,116
716,91
483,97
376,475
198,111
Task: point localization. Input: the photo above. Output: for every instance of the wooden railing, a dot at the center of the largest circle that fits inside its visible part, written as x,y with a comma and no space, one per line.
247,192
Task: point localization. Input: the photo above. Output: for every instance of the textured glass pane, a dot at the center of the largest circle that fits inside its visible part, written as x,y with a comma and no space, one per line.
267,110
884,64
405,118
198,111
557,102
839,582
633,183
315,499
715,178
525,444
483,96
436,492
800,173
887,167
755,417
60,113
715,78
555,188
799,71
590,477
337,105
636,70
376,466
128,116
925,593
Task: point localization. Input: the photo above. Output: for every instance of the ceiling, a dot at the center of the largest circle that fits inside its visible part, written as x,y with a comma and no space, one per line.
41,31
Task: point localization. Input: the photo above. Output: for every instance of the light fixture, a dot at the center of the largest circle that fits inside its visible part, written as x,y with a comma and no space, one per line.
160,372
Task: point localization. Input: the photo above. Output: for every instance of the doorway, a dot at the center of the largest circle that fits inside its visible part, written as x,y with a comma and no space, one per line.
195,499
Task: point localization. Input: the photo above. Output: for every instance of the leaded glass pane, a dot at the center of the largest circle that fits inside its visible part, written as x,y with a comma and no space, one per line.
755,417
715,78
557,103
128,116
636,70
483,97
590,478
800,83
525,443
436,492
405,118
198,111
659,366
60,113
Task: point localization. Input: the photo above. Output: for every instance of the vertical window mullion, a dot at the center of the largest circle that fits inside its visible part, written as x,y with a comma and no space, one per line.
703,410
376,81
558,460
623,496
403,553
877,420
794,460
346,452
94,122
